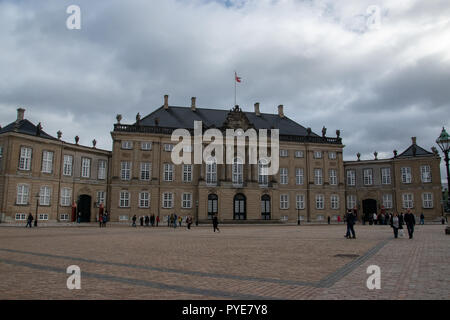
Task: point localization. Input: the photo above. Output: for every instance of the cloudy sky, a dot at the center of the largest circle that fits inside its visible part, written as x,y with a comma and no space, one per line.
378,70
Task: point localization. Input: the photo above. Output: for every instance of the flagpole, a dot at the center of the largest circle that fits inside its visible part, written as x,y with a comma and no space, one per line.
235,88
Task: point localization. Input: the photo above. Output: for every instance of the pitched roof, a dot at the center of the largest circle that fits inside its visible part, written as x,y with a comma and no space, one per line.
184,117
25,127
415,151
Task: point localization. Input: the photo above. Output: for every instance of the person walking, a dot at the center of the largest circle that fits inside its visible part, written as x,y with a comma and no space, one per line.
350,218
401,222
170,221
147,221
339,219
141,220
329,219
215,222
29,220
175,220
189,222
410,221
157,220
134,221
375,219
152,220
395,224
100,220
105,218
422,219
180,220
79,217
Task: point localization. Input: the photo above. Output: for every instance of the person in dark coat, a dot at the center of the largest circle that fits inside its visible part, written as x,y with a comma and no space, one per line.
401,222
147,221
215,222
29,220
134,221
141,219
350,218
422,218
189,222
410,221
157,220
152,220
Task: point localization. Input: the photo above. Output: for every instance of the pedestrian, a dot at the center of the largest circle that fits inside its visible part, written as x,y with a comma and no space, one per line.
401,222
152,220
189,222
422,219
350,218
157,220
215,222
375,219
329,219
105,218
170,220
100,220
180,220
141,219
134,221
395,224
29,220
410,221
339,219
79,217
175,220
147,221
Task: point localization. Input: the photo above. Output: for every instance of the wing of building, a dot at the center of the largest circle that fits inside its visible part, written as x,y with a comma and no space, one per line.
61,180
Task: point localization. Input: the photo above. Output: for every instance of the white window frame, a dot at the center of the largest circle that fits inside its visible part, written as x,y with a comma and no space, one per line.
68,165
125,170
101,172
284,153
320,202
425,173
85,167
168,147
387,201
66,197
317,154
20,216
386,176
351,201
368,176
45,195
408,200
332,155
23,194
263,177
47,161
64,217
146,171
284,176
351,177
237,172
124,199
127,145
427,203
101,197
186,200
187,172
146,145
144,199
300,202
168,172
318,176
333,177
211,171
334,200
406,175
43,216
299,176
167,200
299,154
26,154
284,201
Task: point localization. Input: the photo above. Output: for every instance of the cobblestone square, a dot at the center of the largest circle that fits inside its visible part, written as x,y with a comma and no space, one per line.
240,262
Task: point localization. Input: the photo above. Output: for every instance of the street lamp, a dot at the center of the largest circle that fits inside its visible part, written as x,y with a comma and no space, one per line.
37,205
196,212
298,216
443,141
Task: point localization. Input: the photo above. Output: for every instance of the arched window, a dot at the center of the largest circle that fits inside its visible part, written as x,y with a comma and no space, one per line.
240,212
212,205
238,172
263,177
211,170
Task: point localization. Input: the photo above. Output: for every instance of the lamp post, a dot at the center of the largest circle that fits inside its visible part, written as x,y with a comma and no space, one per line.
298,216
196,212
443,141
37,205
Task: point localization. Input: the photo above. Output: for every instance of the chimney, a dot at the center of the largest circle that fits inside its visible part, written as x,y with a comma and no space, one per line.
20,114
257,109
280,111
166,101
414,140
193,107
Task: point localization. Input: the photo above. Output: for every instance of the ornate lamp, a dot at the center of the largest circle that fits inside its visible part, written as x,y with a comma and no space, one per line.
443,141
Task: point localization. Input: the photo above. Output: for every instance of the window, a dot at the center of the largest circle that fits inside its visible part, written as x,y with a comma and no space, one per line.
101,174
212,205
425,173
263,177
318,177
25,158
333,177
368,177
144,199
146,146
387,201
124,199
334,202
317,154
299,154
43,216
299,176
300,202
145,171
85,167
284,201
125,170
406,174
47,161
63,217
351,177
408,201
66,197
284,176
100,197
320,203
187,172
44,196
284,153
168,172
68,163
186,200
187,149
332,155
167,200
427,200
123,217
351,201
21,216
23,192
128,145
211,171
385,175
1,153
168,147
238,172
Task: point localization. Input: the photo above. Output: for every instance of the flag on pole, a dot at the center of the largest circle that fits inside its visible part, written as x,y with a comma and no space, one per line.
238,79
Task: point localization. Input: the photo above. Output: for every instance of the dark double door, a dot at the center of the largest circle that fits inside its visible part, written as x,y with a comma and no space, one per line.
84,207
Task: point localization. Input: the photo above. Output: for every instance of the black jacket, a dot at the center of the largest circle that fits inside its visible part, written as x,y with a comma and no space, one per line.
409,219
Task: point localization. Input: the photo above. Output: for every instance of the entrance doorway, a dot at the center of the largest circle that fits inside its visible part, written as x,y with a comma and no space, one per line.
369,208
265,207
240,207
84,207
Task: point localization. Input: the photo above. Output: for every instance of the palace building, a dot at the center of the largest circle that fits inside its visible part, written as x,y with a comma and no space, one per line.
43,174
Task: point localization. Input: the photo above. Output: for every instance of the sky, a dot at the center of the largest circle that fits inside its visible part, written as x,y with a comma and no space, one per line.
379,71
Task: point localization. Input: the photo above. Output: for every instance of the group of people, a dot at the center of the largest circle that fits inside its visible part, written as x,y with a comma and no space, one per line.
386,219
148,220
103,219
